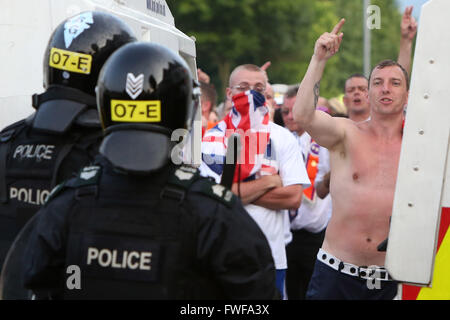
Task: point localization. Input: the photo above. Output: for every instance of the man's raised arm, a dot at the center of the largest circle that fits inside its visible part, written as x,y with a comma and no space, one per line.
322,127
408,29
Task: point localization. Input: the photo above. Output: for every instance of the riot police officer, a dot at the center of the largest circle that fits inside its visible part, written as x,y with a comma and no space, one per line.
135,225
64,132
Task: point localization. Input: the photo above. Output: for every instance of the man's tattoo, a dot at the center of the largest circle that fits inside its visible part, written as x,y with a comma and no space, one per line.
316,93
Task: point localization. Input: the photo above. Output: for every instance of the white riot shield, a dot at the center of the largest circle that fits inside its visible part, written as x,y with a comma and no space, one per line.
423,182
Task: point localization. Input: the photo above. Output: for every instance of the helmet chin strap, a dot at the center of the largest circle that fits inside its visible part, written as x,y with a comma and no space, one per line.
56,92
59,107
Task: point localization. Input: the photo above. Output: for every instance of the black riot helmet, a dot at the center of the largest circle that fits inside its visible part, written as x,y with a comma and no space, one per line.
79,47
144,93
146,83
75,54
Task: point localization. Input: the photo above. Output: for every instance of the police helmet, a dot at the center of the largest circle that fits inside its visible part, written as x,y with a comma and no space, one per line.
146,83
79,47
144,93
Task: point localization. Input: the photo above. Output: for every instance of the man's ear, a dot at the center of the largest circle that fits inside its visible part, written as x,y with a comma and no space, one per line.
229,95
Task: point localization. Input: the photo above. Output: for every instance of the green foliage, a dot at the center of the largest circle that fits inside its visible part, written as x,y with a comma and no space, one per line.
385,41
232,32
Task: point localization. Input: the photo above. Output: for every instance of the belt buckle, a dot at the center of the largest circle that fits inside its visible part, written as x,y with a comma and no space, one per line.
383,274
373,273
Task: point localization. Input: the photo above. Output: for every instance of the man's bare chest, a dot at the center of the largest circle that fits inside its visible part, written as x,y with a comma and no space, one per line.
373,162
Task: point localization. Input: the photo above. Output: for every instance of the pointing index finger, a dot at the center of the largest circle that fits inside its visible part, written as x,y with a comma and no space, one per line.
338,27
265,65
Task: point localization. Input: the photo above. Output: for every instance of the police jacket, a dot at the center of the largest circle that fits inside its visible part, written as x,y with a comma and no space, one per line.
37,153
107,234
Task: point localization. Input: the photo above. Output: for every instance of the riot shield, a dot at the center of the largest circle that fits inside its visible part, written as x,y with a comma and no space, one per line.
419,241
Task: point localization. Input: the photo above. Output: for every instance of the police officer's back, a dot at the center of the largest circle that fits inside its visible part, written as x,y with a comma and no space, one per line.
64,133
137,225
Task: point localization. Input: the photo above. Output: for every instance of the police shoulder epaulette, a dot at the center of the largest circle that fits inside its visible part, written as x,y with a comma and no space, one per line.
184,176
215,191
7,133
87,176
13,125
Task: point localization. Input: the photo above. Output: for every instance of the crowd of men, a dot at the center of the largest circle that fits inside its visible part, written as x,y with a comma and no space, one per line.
309,222
310,198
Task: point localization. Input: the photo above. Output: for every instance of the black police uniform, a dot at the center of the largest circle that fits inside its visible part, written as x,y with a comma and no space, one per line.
64,133
135,225
32,162
191,239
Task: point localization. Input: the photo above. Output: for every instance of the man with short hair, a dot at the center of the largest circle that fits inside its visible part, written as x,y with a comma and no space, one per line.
364,157
356,85
269,174
355,90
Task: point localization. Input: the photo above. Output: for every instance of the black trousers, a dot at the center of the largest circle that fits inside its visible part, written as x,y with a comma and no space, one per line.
329,284
301,256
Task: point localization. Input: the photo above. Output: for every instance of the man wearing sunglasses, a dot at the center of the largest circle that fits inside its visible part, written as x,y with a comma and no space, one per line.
269,176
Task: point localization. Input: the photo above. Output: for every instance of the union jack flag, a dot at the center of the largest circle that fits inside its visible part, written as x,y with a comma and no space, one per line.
249,117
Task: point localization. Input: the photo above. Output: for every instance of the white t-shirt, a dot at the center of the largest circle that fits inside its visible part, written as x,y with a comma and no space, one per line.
285,151
314,216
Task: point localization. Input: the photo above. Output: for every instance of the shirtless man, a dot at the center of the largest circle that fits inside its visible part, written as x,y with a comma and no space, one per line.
364,159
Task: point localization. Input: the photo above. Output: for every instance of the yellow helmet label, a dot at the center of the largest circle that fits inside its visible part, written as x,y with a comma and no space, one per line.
70,61
136,110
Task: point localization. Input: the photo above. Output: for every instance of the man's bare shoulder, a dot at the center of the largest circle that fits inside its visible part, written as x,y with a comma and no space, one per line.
353,132
353,126
348,125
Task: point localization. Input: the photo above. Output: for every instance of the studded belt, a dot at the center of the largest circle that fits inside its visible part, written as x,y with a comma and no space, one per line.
371,272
